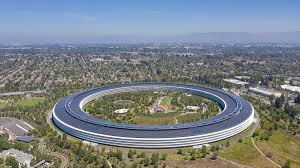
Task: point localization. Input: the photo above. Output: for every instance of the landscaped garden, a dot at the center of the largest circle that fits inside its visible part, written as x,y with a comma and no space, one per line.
152,107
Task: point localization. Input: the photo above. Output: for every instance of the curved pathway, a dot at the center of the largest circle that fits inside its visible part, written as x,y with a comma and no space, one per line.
264,154
234,163
64,159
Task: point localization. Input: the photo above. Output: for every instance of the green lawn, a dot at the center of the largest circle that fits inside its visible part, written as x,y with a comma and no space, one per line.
190,117
2,105
166,101
237,151
25,102
282,147
152,120
244,153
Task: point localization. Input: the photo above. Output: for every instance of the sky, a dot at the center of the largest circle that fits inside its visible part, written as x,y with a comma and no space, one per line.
83,18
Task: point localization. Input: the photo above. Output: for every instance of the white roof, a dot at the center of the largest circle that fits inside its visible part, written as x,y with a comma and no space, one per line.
121,111
20,156
265,91
200,146
235,81
291,88
193,107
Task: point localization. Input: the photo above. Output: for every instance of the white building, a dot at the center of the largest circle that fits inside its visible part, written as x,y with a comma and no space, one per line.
201,146
121,111
264,92
21,157
242,77
235,81
291,88
192,108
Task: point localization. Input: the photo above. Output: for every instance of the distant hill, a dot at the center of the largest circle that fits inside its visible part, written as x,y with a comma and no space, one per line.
242,37
212,37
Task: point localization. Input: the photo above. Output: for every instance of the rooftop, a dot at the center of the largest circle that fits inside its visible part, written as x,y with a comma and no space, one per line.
291,88
20,156
24,138
265,92
121,111
235,81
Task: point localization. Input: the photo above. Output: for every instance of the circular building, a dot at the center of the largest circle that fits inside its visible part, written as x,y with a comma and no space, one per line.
237,114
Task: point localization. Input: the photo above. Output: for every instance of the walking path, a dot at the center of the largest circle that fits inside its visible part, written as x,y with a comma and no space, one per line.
264,154
247,134
109,164
64,159
234,163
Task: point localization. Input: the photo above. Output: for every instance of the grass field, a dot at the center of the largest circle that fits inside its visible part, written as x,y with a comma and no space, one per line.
282,147
206,162
141,106
25,102
190,117
245,153
149,120
166,102
180,161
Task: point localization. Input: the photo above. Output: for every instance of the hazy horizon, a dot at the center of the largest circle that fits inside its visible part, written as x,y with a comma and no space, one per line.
56,21
210,37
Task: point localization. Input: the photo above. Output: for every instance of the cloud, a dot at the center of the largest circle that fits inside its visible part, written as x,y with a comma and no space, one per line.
152,12
80,16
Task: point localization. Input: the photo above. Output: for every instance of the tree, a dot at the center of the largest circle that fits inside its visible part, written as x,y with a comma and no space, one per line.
297,99
143,155
119,155
179,151
131,153
105,163
287,108
227,144
123,165
164,156
213,148
134,165
154,158
287,164
193,156
64,137
272,99
269,155
146,161
11,161
214,156
279,101
203,151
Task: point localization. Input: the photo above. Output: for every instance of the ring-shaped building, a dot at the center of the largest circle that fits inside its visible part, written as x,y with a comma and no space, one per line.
237,114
